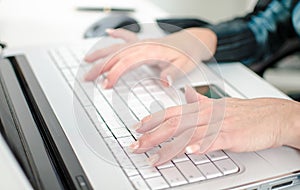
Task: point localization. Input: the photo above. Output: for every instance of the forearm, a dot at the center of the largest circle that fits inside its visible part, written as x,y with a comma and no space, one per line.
199,44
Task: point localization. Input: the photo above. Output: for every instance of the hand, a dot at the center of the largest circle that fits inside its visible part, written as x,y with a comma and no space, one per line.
176,54
204,125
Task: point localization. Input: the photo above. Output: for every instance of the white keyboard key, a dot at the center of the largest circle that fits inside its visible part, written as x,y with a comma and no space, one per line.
157,183
148,172
164,99
57,58
120,87
199,159
139,90
71,82
126,141
166,165
114,123
152,151
88,86
154,89
139,183
130,171
82,96
216,155
118,104
173,176
140,161
156,106
209,170
103,108
180,158
190,171
129,152
123,160
227,166
67,74
108,93
103,130
111,142
76,70
135,134
138,109
116,149
120,132
130,122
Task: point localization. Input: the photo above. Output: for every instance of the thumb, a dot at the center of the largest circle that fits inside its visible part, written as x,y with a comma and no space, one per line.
191,95
172,72
123,34
177,68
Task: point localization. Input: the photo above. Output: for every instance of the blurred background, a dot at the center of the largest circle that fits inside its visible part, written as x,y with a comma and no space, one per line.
285,75
40,22
211,10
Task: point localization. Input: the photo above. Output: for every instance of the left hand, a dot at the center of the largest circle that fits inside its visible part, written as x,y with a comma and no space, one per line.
175,55
204,125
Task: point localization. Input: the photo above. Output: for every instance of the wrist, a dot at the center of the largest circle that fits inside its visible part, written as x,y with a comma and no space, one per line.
293,132
207,37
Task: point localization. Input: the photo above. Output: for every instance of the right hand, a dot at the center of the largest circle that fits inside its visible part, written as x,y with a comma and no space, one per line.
205,125
176,54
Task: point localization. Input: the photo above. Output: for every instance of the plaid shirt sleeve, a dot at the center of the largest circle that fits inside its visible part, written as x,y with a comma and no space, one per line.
259,34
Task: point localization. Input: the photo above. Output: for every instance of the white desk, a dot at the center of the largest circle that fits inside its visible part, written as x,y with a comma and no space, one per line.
36,22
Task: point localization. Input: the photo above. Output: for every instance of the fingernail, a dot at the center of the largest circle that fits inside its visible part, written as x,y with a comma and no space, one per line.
192,149
105,84
186,87
153,159
147,118
134,146
109,30
137,126
170,80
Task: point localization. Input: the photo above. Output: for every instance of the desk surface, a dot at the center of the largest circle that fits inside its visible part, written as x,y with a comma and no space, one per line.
36,22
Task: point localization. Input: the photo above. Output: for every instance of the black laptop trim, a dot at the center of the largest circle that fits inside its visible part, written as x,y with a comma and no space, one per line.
42,141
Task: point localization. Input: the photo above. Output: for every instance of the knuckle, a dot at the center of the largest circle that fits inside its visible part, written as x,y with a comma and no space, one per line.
172,122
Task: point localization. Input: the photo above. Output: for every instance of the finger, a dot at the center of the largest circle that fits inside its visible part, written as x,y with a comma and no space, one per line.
126,35
122,66
172,127
204,140
156,118
123,34
192,96
108,64
151,139
172,149
175,70
100,68
94,72
102,53
218,144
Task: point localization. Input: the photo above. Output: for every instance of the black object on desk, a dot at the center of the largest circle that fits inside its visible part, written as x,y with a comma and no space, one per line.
105,9
113,21
171,25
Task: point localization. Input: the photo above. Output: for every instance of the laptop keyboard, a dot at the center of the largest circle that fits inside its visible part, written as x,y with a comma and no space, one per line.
121,108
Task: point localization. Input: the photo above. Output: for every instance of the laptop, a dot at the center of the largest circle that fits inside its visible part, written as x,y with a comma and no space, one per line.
70,134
